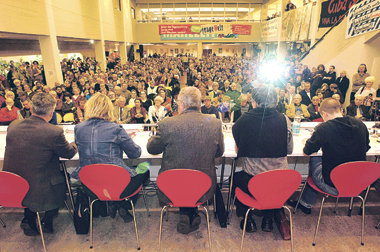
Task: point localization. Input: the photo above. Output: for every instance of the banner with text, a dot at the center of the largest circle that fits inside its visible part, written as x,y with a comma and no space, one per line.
363,17
203,31
269,29
333,10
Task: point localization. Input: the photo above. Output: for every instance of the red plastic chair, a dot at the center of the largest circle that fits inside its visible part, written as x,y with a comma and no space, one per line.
184,188
107,182
13,189
350,179
269,190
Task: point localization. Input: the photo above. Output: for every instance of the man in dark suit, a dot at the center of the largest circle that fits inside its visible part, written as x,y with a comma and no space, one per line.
189,140
33,149
343,83
358,110
305,94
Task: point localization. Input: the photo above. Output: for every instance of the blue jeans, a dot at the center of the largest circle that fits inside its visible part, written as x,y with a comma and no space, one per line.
309,195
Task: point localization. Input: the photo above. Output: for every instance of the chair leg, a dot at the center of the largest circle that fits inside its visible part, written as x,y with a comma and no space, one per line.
161,220
291,226
167,214
365,199
134,220
232,209
214,206
208,227
245,225
336,205
3,223
68,188
42,234
350,207
319,219
91,233
299,198
363,220
145,202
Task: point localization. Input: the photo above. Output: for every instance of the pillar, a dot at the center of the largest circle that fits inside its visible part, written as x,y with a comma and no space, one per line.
137,53
123,52
199,50
49,50
100,54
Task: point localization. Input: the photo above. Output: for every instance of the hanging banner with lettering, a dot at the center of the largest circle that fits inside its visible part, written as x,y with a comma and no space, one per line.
270,30
363,17
333,10
203,31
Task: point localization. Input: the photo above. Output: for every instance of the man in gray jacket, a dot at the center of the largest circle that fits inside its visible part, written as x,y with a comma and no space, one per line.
190,140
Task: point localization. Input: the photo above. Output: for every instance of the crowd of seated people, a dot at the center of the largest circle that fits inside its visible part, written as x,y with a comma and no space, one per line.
154,82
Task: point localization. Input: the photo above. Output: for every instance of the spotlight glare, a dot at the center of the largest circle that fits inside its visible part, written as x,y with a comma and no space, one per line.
272,70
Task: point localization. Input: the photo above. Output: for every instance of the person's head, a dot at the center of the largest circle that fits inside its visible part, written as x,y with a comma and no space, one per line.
315,100
321,67
99,106
343,73
292,89
117,90
26,103
362,68
359,100
333,87
332,69
324,87
207,101
336,97
124,86
306,86
158,100
9,94
67,97
143,95
297,99
369,81
265,97
189,97
244,100
319,94
17,82
121,101
9,102
330,109
76,91
43,105
112,95
215,86
162,93
138,103
82,102
91,90
58,90
133,94
233,86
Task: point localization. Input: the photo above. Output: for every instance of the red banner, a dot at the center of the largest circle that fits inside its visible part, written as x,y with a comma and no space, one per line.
241,29
179,29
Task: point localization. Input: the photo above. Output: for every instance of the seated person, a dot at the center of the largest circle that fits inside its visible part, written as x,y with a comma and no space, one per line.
9,113
157,112
282,102
342,139
68,105
112,140
26,111
297,107
121,111
337,97
358,110
138,112
367,92
313,109
207,108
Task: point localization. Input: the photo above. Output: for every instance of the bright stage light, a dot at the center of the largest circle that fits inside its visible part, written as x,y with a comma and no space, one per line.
272,71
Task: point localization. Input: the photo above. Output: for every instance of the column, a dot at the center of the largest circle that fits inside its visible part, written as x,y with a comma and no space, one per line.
123,52
49,50
199,50
137,53
100,54
316,9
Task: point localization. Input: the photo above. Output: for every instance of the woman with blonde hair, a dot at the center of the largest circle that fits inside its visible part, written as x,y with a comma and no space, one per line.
101,141
368,92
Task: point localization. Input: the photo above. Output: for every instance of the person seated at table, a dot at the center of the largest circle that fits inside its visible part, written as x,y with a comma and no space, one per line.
121,111
157,112
207,108
342,139
68,105
26,110
368,92
260,154
138,112
297,107
101,141
358,110
313,109
8,113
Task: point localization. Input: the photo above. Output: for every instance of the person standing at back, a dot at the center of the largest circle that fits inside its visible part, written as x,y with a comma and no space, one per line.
33,149
189,140
263,138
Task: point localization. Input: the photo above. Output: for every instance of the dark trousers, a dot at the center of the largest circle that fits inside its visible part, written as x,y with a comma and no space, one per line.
241,180
48,217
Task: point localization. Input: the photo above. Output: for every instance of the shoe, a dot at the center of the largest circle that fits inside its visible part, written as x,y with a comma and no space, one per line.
184,226
47,227
305,210
267,224
127,217
250,227
30,229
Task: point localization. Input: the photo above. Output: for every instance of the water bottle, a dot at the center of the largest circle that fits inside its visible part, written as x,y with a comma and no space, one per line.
297,122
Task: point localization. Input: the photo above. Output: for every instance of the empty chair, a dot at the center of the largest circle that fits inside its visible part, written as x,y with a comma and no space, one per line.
269,190
350,179
13,189
184,188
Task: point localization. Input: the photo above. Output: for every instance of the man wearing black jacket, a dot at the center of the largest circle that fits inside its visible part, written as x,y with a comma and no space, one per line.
342,139
343,83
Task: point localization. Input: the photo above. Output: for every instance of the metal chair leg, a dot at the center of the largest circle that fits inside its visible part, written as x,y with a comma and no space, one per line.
350,207
167,214
291,226
232,209
134,220
299,198
161,220
145,201
68,188
363,220
319,219
208,227
3,223
91,233
40,227
365,199
233,168
245,225
336,205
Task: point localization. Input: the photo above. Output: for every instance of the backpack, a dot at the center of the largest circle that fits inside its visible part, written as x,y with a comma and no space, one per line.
81,213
